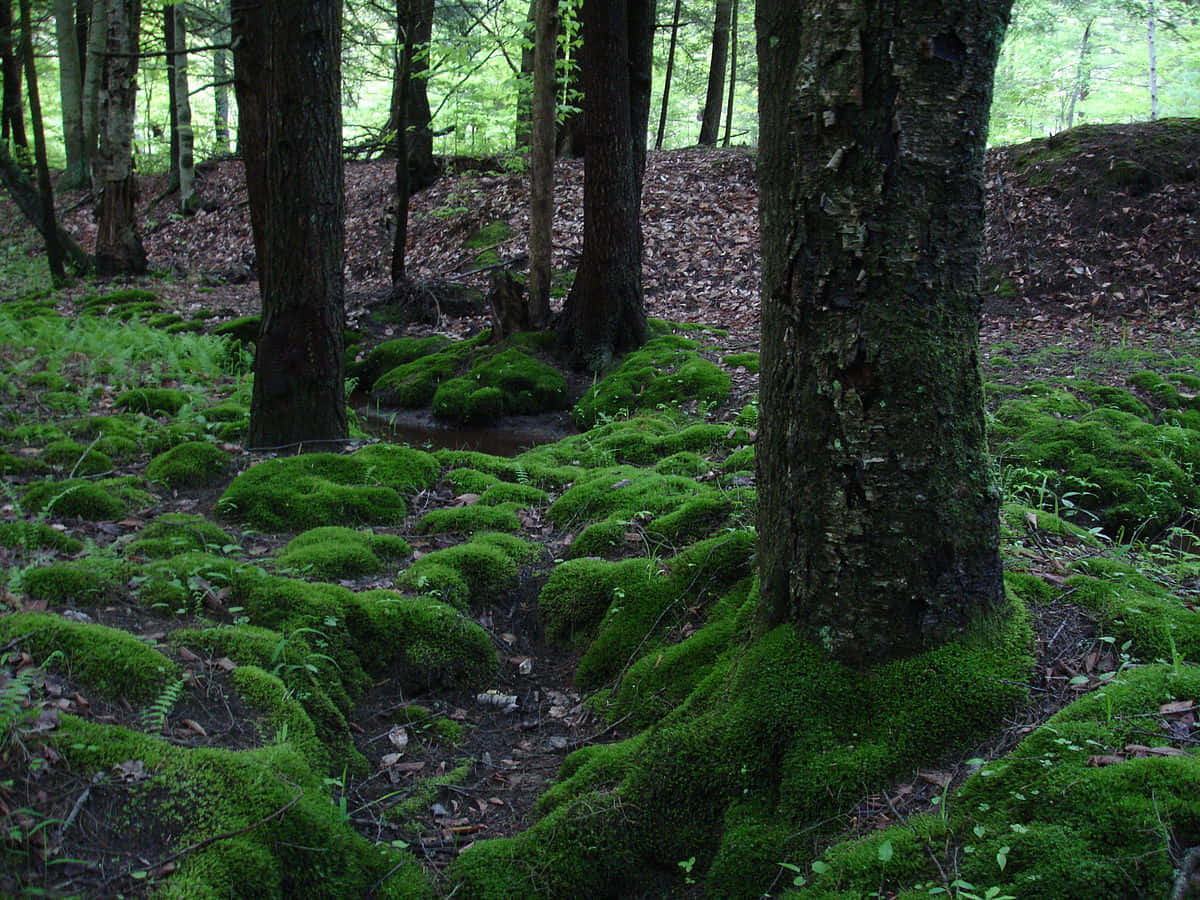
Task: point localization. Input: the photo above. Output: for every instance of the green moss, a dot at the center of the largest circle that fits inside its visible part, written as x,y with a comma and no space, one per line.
425,792
173,533
484,568
24,535
470,519
192,464
184,582
64,401
520,551
112,662
244,329
414,383
748,361
740,460
285,714
665,372
368,487
80,460
74,497
463,400
152,401
291,842
439,580
683,463
388,355
601,539
579,592
471,481
430,726
524,495
526,384
338,552
85,581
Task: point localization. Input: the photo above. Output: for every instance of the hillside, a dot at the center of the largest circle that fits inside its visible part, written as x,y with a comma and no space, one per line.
233,674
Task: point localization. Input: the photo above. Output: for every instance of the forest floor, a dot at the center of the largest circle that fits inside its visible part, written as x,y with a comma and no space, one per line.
1090,267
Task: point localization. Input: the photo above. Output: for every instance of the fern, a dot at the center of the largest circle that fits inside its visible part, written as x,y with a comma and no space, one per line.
154,716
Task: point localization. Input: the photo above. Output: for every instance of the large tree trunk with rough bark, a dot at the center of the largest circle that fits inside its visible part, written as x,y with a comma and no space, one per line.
710,122
604,313
287,58
877,512
118,245
70,92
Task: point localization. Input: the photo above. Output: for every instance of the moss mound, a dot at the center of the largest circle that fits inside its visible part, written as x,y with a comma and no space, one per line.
174,533
83,582
338,552
367,487
76,459
92,500
471,573
666,372
192,464
152,401
25,535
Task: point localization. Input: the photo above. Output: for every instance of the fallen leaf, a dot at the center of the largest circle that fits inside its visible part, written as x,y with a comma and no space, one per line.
398,736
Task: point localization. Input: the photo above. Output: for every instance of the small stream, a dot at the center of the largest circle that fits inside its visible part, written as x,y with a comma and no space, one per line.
508,437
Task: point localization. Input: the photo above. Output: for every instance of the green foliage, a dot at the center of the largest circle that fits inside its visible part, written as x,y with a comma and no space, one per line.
152,401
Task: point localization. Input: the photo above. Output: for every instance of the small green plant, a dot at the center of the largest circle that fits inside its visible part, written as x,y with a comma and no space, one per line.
154,716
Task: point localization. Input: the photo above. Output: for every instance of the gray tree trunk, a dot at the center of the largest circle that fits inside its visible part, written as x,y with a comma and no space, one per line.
1152,48
118,245
877,513
221,80
733,64
666,97
92,72
710,123
70,91
1083,72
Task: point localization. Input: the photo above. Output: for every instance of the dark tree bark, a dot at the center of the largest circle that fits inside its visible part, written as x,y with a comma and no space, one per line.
25,194
604,314
523,132
93,66
410,117
54,252
12,116
710,123
221,79
733,64
541,170
118,245
404,177
287,59
877,514
169,38
666,97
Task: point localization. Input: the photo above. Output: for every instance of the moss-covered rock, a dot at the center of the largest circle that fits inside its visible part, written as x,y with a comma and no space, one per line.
470,519
188,582
286,716
482,566
367,487
25,535
389,354
243,329
83,582
74,497
192,464
76,459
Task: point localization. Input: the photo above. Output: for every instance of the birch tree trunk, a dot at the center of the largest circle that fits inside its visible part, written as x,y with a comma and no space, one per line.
1152,48
118,245
877,513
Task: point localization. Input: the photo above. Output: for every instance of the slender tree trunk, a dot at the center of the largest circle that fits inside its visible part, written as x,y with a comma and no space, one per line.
28,199
524,127
403,172
604,313
189,201
118,245
710,122
877,514
1083,70
54,254
541,187
666,97
1152,48
169,36
93,69
287,58
221,79
70,90
13,113
733,64
414,20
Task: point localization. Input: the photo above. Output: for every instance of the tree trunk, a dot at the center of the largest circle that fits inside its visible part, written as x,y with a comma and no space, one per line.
404,179
118,246
877,514
604,312
92,72
221,80
189,201
523,132
710,122
13,113
733,63
169,37
414,25
25,194
666,97
70,90
541,174
1152,49
1083,71
287,59
54,255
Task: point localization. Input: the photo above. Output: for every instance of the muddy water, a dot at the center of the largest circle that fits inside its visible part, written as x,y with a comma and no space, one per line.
507,437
